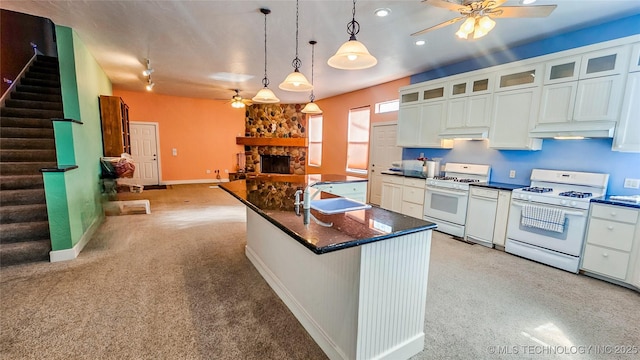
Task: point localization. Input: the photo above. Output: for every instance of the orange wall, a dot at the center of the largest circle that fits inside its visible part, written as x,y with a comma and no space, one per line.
335,116
203,131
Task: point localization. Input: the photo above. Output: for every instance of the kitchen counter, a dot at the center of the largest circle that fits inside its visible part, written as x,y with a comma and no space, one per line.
272,197
499,186
405,173
361,291
607,200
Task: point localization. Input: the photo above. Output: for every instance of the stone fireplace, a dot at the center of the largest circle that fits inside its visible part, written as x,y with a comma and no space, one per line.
276,131
278,164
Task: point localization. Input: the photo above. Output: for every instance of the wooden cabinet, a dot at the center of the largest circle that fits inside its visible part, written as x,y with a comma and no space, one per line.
114,115
391,198
514,113
613,243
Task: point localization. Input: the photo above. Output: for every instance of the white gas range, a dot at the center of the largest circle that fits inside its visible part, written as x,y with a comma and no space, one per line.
446,197
548,219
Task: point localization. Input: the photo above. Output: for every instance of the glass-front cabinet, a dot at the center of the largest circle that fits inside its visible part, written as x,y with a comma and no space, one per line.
519,78
434,92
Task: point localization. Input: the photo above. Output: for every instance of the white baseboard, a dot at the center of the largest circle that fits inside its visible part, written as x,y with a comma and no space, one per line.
194,181
70,254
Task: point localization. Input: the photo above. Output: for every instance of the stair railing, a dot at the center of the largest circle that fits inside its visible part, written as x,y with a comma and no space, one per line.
15,82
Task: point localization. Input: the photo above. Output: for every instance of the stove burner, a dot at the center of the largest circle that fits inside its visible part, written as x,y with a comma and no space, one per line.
575,194
445,178
467,180
537,189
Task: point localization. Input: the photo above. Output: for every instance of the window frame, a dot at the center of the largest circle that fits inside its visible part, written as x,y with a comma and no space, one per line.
311,118
355,170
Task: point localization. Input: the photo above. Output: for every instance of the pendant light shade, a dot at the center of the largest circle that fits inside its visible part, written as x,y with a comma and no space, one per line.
352,55
296,81
265,95
311,107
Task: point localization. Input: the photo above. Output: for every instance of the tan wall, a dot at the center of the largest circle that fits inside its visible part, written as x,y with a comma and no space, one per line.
203,131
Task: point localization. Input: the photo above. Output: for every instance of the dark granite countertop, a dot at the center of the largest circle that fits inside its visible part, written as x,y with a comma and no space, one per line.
499,186
607,200
272,197
405,173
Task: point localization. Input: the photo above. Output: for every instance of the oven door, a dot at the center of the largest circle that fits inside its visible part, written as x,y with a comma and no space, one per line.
446,204
568,242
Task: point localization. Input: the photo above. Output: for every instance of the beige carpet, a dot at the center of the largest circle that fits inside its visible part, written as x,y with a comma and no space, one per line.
175,284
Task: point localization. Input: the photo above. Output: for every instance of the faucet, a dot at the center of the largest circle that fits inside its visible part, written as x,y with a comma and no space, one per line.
307,197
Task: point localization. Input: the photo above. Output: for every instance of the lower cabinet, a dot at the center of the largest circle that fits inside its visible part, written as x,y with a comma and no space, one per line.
612,248
352,190
403,194
487,215
391,198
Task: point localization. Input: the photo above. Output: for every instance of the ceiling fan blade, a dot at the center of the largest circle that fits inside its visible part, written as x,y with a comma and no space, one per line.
524,11
495,3
445,5
441,25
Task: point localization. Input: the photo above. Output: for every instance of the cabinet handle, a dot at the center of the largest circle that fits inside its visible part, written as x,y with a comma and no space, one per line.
613,214
605,255
610,227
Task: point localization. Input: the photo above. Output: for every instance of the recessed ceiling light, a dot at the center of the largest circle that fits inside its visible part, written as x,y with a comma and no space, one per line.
527,2
420,42
225,76
382,12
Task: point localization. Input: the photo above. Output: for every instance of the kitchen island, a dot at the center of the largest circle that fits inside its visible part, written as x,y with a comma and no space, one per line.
356,281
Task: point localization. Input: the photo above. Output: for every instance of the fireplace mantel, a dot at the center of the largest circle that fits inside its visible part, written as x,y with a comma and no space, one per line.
258,141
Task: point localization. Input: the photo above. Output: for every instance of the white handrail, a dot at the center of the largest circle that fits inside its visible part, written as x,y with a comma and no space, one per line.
15,82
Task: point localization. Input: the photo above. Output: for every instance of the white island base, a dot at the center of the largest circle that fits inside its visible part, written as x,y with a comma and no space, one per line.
362,302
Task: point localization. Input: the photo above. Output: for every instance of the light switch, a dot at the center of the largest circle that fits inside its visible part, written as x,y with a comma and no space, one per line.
174,152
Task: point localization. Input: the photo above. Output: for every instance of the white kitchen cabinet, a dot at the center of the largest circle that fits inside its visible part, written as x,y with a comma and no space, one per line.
627,133
514,114
352,190
391,198
481,215
612,243
468,112
502,216
606,62
634,63
599,99
409,125
434,91
413,197
420,124
519,78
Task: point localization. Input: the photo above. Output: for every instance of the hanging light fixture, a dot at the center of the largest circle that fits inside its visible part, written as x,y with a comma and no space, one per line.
265,95
236,100
296,81
148,70
311,107
150,84
479,26
352,55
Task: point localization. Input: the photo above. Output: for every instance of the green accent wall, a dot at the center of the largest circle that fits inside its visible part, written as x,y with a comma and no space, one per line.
74,198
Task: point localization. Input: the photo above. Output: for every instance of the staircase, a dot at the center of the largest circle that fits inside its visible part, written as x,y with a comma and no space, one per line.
27,145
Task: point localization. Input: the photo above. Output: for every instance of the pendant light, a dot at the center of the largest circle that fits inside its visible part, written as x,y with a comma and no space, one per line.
265,95
311,107
352,55
296,81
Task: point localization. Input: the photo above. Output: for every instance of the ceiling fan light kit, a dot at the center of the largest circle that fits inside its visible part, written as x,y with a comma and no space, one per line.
265,95
296,81
352,55
236,100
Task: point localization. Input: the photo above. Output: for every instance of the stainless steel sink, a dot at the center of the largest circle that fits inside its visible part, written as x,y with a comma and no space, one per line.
337,205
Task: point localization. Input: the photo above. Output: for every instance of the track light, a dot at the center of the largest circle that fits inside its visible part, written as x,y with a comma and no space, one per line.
148,70
150,84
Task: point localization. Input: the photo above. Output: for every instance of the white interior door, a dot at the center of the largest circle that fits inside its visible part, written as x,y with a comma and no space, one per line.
144,149
384,151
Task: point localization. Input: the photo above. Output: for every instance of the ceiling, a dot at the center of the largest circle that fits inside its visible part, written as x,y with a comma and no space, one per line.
187,42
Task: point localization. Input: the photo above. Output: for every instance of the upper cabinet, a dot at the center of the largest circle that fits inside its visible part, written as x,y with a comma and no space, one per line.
519,78
634,64
514,113
420,121
114,116
582,94
469,108
627,135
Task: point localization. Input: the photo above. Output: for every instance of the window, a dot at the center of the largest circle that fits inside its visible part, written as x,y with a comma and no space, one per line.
315,140
358,140
387,106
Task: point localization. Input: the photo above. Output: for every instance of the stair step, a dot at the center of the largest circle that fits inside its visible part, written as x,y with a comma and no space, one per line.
24,168
24,252
21,155
33,104
28,231
38,89
27,144
22,197
52,76
46,59
19,122
35,71
36,97
31,113
39,82
25,132
23,213
19,182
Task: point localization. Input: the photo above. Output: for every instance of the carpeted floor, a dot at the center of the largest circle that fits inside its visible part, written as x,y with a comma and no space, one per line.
175,284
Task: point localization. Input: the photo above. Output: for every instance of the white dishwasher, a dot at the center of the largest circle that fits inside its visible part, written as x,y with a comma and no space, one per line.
481,215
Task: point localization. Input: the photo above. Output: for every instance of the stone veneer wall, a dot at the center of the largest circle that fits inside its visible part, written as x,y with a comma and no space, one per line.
276,121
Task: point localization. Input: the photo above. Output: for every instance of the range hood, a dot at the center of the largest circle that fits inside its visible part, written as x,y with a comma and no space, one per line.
587,129
471,133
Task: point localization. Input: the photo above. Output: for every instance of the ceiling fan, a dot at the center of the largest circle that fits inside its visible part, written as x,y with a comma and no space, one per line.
478,14
238,101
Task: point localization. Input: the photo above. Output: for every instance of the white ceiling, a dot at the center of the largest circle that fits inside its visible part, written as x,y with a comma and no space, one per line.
188,41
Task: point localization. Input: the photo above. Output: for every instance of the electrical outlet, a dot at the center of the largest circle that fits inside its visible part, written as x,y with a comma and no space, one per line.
208,171
512,174
632,183
174,152
226,171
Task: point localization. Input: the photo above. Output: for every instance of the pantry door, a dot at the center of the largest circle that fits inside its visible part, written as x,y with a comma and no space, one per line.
383,151
144,150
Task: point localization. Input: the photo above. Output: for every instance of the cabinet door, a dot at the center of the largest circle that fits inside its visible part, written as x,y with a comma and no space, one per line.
391,197
562,70
409,96
634,64
502,216
606,62
434,92
481,215
519,78
456,113
431,124
478,111
408,125
514,113
557,103
598,99
627,135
